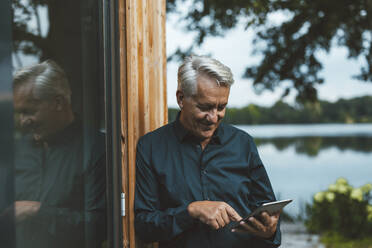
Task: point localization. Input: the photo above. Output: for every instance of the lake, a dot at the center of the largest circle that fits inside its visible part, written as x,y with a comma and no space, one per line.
304,159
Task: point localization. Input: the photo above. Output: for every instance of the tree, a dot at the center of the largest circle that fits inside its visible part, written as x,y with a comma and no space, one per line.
70,37
290,48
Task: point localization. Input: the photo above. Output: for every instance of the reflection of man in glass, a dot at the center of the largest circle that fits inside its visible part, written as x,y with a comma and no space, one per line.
60,196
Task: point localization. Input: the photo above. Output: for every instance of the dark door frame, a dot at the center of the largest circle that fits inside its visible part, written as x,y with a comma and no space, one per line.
113,118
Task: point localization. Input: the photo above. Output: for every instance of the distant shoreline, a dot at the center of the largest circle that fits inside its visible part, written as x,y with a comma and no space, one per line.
354,110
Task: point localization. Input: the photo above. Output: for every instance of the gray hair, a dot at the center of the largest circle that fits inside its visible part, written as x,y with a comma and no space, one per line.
199,65
48,78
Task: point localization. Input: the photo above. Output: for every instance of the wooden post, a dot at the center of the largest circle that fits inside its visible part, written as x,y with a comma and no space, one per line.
143,87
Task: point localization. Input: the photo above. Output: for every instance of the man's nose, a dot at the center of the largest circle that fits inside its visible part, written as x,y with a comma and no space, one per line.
212,116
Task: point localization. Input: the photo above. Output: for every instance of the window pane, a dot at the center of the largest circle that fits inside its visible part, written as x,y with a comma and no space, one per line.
6,130
59,124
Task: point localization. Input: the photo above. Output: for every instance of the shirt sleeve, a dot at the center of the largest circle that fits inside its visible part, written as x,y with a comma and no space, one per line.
262,192
151,222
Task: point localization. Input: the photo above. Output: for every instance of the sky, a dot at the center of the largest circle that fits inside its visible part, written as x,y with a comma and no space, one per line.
233,50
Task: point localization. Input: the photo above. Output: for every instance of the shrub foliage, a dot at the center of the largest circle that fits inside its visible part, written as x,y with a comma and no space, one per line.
342,210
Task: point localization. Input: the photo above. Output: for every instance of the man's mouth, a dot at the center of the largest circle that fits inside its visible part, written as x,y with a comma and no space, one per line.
207,126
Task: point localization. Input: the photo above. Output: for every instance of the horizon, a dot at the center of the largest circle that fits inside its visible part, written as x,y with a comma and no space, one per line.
290,104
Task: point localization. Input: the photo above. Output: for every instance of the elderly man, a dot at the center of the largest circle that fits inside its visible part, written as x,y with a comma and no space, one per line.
196,175
60,182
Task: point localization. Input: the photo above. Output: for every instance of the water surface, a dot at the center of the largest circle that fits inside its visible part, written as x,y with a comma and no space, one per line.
304,159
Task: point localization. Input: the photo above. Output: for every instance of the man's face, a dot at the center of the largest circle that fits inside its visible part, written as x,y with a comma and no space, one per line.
202,113
36,116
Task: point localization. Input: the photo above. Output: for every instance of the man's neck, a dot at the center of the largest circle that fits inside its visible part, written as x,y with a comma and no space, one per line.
67,120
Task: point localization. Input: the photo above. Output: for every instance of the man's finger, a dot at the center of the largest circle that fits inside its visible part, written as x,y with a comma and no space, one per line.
244,227
233,214
277,214
214,224
225,216
273,220
220,221
266,218
256,224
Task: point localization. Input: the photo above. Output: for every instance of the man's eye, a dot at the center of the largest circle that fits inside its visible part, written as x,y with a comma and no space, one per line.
203,108
220,108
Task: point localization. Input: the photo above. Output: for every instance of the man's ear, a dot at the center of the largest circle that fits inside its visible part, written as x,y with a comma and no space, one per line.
180,98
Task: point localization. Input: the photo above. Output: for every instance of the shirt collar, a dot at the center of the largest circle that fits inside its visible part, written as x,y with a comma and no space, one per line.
182,133
180,130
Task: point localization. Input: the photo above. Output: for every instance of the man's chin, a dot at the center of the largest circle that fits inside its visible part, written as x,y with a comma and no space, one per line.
37,137
206,134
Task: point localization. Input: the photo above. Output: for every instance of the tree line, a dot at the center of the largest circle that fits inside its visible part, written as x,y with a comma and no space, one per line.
355,110
289,48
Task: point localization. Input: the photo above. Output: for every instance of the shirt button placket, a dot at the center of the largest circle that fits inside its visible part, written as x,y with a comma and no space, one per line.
203,173
205,185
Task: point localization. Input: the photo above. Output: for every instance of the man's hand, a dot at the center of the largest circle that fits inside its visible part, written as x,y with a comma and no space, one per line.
25,209
213,213
264,229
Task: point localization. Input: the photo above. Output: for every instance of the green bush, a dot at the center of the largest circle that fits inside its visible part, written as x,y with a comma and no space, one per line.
342,210
333,240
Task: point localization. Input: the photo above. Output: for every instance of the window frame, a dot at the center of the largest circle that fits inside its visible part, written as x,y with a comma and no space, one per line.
113,120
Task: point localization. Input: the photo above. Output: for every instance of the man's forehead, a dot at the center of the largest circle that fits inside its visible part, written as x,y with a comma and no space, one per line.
25,90
210,88
203,79
24,87
23,94
211,101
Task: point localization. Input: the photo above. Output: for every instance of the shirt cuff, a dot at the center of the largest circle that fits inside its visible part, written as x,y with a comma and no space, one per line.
183,220
274,241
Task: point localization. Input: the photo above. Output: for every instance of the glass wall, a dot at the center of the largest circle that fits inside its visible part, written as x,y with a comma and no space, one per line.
53,177
6,130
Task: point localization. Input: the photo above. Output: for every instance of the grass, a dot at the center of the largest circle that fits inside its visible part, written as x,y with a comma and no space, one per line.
336,241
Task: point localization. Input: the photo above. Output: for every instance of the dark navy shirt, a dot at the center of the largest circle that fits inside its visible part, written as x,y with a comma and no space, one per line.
172,171
70,188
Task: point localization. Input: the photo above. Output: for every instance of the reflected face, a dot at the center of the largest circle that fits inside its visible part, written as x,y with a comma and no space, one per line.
202,113
36,116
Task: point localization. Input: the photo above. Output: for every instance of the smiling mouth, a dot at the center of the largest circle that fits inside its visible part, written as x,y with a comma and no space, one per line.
207,127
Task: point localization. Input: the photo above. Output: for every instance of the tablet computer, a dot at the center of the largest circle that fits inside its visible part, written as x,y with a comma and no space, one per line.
270,208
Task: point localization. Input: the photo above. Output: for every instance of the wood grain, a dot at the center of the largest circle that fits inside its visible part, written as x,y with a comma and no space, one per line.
143,87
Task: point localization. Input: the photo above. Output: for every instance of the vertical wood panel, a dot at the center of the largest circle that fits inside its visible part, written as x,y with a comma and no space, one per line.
124,116
143,86
163,54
